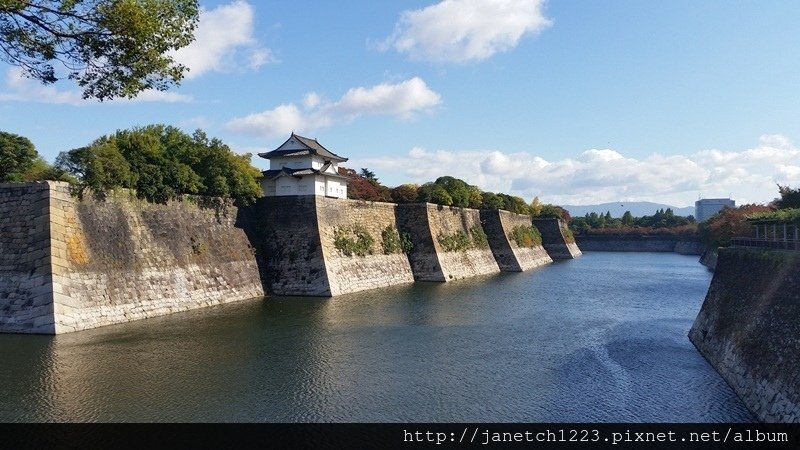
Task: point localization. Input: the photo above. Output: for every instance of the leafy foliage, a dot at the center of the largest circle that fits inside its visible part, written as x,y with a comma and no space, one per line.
360,187
790,198
17,155
555,212
19,161
663,222
479,238
160,163
727,223
781,215
112,48
458,241
393,242
525,236
354,240
405,193
461,241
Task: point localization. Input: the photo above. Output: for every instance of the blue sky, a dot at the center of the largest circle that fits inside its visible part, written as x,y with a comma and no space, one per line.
576,101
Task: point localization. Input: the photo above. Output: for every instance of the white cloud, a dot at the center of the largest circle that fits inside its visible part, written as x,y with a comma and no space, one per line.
604,175
465,30
224,42
402,100
23,89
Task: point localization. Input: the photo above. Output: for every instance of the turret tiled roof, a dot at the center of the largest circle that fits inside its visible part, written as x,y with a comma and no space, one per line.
311,147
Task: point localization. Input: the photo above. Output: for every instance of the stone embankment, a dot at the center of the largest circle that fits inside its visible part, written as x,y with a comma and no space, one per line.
320,246
639,243
70,264
748,329
557,239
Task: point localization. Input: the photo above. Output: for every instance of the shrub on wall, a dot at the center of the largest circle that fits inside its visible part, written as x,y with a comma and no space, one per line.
394,242
479,238
525,236
461,241
354,240
458,241
390,240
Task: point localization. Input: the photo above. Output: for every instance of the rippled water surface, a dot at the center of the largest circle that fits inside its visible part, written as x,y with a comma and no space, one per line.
599,338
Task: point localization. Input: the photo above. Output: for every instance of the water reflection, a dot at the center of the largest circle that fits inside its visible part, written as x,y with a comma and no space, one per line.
601,338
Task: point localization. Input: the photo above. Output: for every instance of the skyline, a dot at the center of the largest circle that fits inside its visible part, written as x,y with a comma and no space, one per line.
575,103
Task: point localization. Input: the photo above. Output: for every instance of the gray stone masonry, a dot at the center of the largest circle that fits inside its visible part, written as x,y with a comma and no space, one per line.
511,257
91,263
748,329
554,240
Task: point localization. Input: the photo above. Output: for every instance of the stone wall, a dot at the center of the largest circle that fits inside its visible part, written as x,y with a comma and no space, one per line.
122,259
446,221
749,329
637,243
709,258
286,235
558,246
26,276
357,273
509,255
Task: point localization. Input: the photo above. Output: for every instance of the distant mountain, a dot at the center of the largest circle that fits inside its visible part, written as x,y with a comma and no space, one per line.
638,209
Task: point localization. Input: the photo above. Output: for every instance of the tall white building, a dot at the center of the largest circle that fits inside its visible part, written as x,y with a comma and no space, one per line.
707,207
302,166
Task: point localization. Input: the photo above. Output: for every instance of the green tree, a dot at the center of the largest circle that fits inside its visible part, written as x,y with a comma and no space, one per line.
111,48
458,190
491,201
627,219
790,198
405,193
368,174
434,193
162,162
17,155
19,161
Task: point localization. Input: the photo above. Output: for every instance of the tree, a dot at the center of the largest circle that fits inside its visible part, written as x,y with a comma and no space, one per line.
111,48
17,155
405,193
790,198
491,201
360,187
19,161
458,190
368,174
627,219
162,162
536,207
434,193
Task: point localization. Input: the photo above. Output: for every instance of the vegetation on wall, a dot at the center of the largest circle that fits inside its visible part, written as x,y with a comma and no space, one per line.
394,242
161,163
525,236
354,240
461,241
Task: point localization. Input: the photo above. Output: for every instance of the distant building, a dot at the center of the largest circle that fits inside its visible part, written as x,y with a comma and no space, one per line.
302,166
707,207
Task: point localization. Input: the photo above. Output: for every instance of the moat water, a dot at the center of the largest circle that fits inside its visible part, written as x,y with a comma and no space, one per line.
599,338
